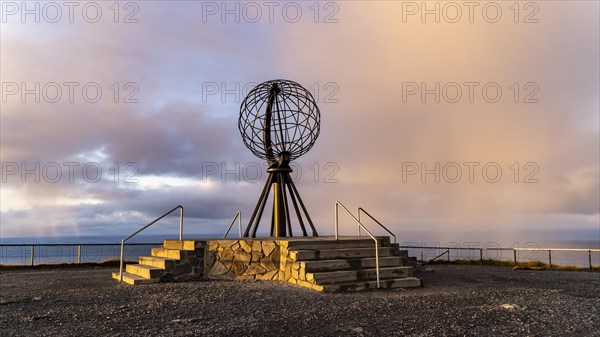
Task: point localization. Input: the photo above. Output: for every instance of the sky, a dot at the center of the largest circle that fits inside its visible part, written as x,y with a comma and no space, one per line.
465,121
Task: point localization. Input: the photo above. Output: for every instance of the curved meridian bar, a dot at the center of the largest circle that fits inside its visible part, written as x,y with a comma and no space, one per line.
267,126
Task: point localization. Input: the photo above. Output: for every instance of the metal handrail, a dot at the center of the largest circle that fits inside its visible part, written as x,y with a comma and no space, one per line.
148,225
337,203
238,216
442,254
379,223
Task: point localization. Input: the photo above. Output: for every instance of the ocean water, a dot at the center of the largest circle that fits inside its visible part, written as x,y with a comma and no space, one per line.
63,250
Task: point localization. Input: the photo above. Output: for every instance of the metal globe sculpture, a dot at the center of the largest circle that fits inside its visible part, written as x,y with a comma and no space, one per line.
279,122
279,116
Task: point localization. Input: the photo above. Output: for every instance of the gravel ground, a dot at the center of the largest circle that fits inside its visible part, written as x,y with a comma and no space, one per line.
454,301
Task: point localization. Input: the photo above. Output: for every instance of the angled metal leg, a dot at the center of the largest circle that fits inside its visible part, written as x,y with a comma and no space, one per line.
273,221
283,180
260,211
282,184
298,215
259,205
304,208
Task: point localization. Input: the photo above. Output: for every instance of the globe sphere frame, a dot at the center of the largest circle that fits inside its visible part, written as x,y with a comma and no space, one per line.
279,116
279,122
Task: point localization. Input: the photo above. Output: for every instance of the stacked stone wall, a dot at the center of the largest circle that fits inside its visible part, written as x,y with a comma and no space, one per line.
255,260
242,260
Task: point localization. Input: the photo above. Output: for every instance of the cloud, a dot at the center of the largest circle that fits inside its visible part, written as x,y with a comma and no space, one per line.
555,137
372,131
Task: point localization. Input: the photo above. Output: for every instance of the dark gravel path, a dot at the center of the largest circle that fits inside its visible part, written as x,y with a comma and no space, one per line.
455,301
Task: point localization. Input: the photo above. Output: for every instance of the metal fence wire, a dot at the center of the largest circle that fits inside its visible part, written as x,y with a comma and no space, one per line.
52,253
475,253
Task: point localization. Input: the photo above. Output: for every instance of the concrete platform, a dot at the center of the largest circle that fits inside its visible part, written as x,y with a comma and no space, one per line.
320,263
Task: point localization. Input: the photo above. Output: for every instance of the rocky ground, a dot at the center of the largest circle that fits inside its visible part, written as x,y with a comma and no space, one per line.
455,301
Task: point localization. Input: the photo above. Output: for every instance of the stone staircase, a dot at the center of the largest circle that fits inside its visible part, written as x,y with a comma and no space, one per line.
175,261
347,265
319,263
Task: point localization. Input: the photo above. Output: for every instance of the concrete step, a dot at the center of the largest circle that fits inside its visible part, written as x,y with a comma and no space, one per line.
344,264
175,254
407,282
343,253
182,245
333,244
133,279
342,276
144,271
403,252
158,262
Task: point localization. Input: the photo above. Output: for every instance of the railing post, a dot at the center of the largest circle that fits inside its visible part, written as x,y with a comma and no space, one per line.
121,263
336,221
590,258
481,254
366,230
377,262
240,223
358,221
515,254
550,258
180,222
32,254
78,254
448,253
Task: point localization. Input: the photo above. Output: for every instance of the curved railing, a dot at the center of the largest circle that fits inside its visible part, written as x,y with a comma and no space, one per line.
360,225
379,223
148,225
